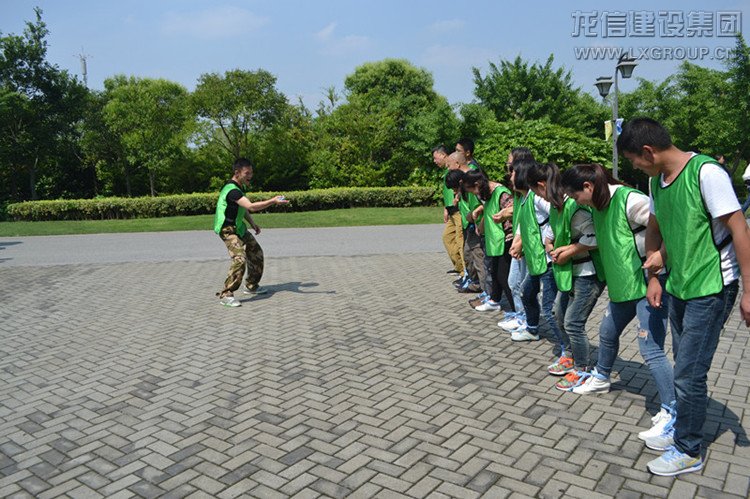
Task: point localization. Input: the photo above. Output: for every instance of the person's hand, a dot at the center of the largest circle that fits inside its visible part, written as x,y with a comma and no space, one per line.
745,308
256,228
516,250
562,254
504,214
654,292
445,216
654,263
280,200
497,218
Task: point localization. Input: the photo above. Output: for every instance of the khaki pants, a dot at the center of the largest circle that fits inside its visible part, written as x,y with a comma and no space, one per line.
246,255
453,240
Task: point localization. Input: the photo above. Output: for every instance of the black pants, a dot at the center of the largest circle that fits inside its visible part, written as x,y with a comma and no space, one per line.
499,269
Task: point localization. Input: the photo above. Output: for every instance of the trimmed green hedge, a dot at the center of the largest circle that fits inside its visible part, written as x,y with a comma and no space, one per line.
202,204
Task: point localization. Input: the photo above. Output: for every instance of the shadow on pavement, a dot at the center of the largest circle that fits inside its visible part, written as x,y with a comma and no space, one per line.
3,244
291,287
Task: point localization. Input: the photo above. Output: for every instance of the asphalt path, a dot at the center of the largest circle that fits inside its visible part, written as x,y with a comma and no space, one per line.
205,245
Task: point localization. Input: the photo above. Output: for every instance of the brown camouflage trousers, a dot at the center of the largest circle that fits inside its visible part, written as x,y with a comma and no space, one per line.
246,255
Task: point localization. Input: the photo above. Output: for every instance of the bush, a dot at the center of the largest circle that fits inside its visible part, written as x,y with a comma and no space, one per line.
203,204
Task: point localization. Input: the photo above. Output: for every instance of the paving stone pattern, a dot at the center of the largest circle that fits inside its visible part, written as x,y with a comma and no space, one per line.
355,377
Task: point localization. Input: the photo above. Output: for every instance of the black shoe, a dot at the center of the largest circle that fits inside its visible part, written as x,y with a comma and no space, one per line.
453,272
458,283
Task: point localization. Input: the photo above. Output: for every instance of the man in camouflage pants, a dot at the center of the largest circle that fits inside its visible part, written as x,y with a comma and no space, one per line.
230,222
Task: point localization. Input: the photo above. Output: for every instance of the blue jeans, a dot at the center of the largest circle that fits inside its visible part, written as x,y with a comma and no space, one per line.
518,272
572,312
652,330
531,286
696,327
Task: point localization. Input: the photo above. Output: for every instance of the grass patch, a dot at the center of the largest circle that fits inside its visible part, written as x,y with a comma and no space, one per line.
327,218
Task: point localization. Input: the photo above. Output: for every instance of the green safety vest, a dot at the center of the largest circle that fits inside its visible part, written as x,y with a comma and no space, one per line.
619,254
448,194
561,228
494,235
516,211
531,237
468,205
596,257
221,207
693,258
560,224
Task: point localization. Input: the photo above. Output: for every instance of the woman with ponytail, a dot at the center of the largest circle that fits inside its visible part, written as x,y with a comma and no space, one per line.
620,217
571,242
496,240
533,218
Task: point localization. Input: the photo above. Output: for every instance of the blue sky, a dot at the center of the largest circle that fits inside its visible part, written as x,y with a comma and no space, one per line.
311,45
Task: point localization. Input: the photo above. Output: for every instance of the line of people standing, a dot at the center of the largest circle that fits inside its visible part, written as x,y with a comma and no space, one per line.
547,244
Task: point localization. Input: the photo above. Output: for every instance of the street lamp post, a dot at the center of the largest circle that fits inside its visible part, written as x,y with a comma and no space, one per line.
625,66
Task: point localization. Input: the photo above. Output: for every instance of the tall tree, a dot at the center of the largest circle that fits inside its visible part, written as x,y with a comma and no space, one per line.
42,107
519,91
237,104
382,133
152,118
738,68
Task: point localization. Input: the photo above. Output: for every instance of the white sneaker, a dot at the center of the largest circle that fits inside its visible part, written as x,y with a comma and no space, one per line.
660,421
258,290
512,323
594,383
488,306
523,335
230,301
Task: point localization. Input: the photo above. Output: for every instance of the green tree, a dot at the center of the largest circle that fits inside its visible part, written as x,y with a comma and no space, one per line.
41,110
738,69
548,142
519,91
236,105
383,132
153,121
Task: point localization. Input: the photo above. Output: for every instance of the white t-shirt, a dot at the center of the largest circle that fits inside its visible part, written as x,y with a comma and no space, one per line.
582,229
636,211
720,199
541,209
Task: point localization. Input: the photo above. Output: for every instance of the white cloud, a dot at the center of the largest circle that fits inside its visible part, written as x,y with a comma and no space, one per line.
450,26
326,33
330,44
223,22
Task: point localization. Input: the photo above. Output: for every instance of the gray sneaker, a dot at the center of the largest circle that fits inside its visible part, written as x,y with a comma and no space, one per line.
230,301
674,462
662,442
257,290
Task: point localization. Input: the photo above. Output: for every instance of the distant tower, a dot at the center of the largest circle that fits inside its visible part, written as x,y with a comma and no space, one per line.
84,70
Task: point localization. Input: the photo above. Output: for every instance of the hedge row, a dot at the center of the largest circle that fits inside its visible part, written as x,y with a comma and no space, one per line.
202,204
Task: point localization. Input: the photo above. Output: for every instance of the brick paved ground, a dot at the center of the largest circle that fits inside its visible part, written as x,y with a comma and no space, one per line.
357,376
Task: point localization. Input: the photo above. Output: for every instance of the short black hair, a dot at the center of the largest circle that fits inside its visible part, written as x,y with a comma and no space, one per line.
241,163
640,132
441,148
467,144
